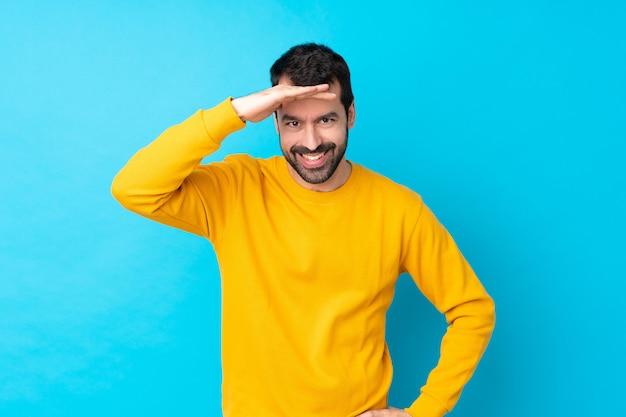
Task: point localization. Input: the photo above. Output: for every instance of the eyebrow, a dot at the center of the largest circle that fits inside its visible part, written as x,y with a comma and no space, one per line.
287,117
330,115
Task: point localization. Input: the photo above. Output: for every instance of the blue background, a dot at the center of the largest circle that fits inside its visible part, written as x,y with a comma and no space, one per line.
507,116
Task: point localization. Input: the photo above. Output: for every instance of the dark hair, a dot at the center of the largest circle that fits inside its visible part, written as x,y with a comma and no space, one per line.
312,64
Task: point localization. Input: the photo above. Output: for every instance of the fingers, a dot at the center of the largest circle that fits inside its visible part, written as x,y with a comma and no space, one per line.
292,92
256,107
386,412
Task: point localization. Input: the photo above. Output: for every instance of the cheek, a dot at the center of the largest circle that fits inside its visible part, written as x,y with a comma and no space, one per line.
287,140
335,134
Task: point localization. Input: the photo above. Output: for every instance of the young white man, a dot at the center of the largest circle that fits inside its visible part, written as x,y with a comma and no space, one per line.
310,246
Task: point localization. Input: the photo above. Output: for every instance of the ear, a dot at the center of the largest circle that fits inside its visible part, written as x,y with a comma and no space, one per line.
351,115
276,122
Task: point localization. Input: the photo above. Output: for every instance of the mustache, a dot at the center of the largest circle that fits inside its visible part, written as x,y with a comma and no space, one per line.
303,150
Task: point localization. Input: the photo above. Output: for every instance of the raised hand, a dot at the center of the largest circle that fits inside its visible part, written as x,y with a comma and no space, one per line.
258,106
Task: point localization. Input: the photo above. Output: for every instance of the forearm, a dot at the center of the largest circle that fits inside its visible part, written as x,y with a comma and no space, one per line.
157,171
467,336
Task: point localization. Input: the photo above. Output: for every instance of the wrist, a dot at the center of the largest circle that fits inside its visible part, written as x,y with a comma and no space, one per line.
236,104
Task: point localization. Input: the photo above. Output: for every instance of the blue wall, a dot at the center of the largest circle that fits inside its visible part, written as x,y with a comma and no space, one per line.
507,116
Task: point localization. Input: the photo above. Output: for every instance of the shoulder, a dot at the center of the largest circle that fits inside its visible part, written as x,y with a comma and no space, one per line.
234,163
240,168
249,165
378,184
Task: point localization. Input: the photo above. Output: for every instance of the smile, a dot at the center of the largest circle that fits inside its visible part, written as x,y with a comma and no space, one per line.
313,160
313,156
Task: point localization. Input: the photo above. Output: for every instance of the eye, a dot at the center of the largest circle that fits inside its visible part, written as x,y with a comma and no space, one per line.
326,120
293,123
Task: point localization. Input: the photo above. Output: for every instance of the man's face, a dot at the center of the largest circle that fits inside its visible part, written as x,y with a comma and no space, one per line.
313,138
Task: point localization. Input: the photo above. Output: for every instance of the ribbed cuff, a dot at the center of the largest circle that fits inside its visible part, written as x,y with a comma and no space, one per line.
221,120
426,406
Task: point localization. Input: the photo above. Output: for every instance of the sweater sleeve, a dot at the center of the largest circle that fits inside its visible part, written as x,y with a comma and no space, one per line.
162,181
446,279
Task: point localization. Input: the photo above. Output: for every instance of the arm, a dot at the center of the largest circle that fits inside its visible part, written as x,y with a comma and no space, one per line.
446,279
157,181
160,181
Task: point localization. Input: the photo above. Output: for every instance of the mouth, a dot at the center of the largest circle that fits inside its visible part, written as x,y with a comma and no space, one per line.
313,160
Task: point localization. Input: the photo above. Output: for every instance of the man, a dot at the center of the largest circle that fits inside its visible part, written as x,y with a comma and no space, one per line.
310,246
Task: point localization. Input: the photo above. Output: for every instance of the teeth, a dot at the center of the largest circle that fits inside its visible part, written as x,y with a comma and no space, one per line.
313,157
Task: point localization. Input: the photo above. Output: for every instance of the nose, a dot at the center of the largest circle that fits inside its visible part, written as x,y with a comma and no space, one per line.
311,139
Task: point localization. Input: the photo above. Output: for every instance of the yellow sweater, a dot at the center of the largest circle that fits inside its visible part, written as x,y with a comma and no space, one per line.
307,277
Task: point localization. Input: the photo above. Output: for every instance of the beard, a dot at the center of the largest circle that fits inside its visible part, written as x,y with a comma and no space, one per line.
320,174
